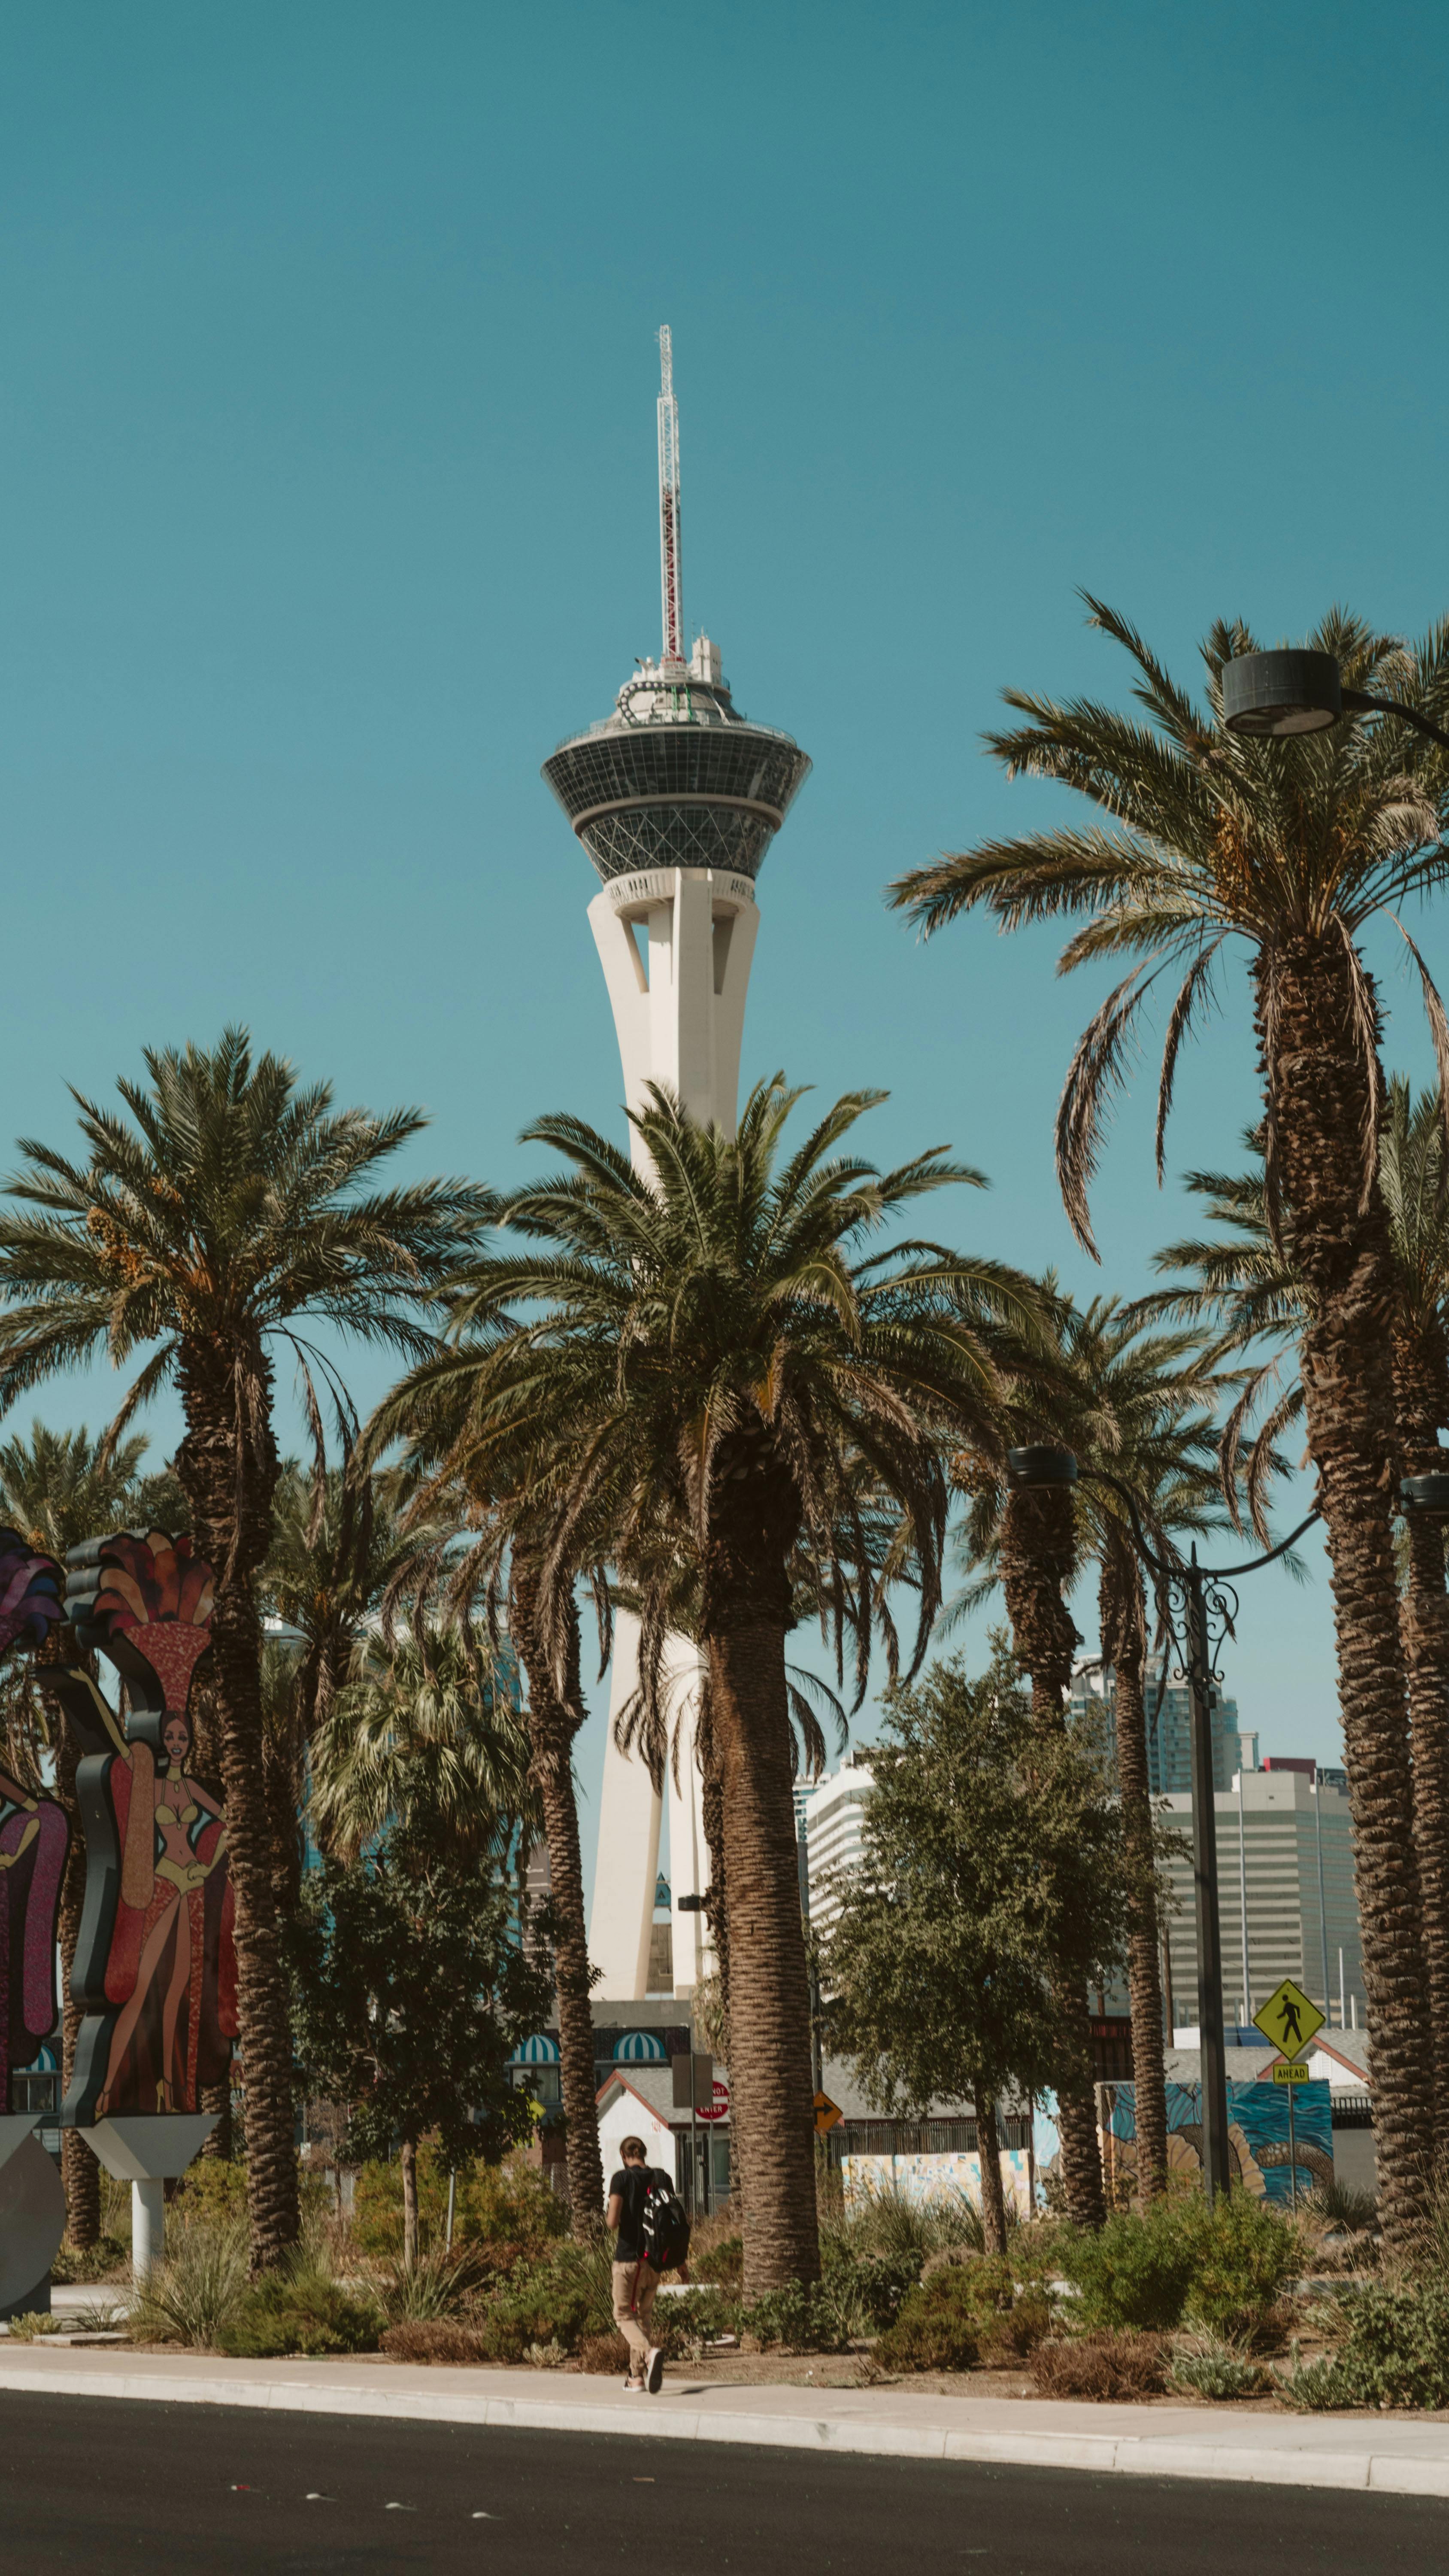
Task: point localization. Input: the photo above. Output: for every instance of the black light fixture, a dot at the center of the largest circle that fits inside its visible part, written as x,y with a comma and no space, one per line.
1275,695
1427,1497
1040,1464
1281,693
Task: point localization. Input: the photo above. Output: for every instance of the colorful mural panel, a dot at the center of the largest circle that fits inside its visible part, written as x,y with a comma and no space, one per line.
925,2178
155,1964
34,1833
1257,2134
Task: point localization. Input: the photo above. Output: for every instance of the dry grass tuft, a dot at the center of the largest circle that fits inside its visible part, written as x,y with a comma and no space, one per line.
1103,2366
604,2354
433,2339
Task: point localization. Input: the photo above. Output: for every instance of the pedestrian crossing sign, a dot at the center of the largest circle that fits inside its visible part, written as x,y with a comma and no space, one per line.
1289,2018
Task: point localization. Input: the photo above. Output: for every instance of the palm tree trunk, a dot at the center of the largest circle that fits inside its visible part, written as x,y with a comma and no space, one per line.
1421,1387
553,1722
711,1812
1123,1648
771,2106
410,2202
988,2150
1318,1097
79,2170
215,2098
227,1465
1038,1559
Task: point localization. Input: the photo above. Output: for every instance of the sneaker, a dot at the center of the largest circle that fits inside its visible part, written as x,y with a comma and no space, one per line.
634,2387
654,2372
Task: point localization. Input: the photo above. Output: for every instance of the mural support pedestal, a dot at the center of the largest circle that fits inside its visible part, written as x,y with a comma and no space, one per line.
148,2149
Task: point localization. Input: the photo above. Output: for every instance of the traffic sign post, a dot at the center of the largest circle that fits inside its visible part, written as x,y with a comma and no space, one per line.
1290,2019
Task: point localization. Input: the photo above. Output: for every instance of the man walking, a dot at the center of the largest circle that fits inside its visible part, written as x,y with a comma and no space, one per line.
635,2279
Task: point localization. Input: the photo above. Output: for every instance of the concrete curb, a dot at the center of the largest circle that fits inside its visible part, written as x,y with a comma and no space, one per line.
1379,2471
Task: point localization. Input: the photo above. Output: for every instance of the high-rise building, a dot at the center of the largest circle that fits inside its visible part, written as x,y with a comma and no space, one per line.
676,797
1169,1726
1285,1872
834,1822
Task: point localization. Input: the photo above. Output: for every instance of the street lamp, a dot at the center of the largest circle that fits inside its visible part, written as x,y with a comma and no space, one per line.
1202,1598
1273,695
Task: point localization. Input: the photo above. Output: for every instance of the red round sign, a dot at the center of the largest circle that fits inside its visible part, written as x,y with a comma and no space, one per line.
716,2109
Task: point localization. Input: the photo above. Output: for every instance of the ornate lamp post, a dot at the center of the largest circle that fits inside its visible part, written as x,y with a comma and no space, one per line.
1198,1603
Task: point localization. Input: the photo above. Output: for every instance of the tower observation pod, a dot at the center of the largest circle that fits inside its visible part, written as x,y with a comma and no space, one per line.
676,797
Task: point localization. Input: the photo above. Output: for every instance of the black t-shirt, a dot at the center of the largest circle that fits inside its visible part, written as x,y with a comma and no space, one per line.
631,2185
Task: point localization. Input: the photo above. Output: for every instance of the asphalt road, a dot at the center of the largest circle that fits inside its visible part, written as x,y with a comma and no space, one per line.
108,2486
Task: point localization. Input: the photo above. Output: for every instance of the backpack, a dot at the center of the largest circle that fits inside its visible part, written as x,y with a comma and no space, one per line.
664,2226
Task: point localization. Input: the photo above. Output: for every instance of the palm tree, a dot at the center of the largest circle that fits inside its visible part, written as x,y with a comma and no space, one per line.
697,1361
1144,1412
1249,1287
204,1230
425,1737
1292,847
60,1487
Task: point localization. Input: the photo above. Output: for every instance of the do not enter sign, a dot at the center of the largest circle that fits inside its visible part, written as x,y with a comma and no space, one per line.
718,2107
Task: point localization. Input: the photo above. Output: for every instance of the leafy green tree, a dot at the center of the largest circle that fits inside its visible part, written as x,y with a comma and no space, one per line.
1292,848
994,1854
412,1985
696,1362
223,1212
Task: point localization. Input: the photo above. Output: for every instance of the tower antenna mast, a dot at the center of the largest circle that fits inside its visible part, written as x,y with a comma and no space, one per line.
669,576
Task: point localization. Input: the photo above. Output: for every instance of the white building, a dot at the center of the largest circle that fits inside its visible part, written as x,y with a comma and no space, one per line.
1281,1836
834,1823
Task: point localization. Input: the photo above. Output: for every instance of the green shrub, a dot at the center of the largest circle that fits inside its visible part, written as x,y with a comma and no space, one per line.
557,2302
1133,2273
437,2285
723,2264
98,2262
500,2205
213,2191
1211,2368
1395,2351
938,2327
689,2319
1222,2267
965,2313
32,2324
299,2311
1243,2254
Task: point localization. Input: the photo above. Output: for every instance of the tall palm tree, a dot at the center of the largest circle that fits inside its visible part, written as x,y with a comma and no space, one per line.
699,1357
425,1736
1145,1407
204,1228
1292,847
1249,1287
60,1487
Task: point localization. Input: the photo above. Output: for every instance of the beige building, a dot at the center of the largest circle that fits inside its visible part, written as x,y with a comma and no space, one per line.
1282,1836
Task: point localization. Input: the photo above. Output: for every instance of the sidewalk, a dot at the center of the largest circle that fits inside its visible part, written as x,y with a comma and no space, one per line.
1390,2455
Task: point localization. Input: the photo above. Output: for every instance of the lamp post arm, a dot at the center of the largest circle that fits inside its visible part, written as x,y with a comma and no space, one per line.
1225,1573
1355,703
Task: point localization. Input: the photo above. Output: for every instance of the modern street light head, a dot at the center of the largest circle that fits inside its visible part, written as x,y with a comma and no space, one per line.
1026,1469
1275,694
1427,1497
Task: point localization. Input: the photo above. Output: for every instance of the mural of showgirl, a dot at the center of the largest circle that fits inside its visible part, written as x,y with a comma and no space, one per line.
155,1965
34,1833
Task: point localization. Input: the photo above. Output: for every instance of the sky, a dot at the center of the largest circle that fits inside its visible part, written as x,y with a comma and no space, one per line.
327,507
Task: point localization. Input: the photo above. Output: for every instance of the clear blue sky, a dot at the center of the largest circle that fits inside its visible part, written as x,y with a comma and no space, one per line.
327,375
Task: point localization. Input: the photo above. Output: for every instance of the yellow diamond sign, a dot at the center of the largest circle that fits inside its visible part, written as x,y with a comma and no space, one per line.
1289,2018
